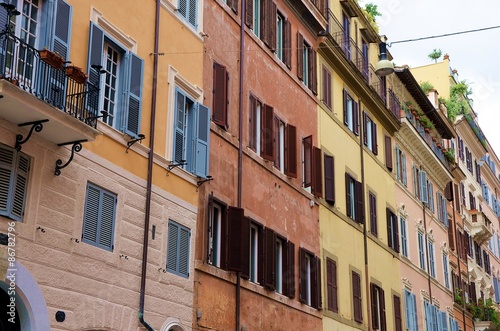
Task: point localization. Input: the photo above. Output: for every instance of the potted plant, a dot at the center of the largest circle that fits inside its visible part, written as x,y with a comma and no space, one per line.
77,74
427,124
53,59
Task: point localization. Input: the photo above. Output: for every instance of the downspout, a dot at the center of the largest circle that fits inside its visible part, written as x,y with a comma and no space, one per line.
363,219
150,172
240,148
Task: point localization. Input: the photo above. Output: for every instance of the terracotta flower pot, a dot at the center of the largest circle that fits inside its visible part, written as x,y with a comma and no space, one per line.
51,58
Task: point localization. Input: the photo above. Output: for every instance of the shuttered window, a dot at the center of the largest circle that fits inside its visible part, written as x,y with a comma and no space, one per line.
378,307
220,95
239,241
309,279
306,64
291,151
317,186
122,83
331,284
356,297
354,199
188,9
14,173
217,233
326,87
388,152
410,311
99,217
351,113
329,179
178,249
397,313
392,230
373,213
307,160
370,133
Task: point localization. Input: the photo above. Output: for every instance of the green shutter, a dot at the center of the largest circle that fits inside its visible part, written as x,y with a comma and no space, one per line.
134,95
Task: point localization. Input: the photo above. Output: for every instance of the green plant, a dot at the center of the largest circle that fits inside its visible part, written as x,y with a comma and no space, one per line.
458,299
485,311
449,154
458,104
435,55
427,123
426,87
371,13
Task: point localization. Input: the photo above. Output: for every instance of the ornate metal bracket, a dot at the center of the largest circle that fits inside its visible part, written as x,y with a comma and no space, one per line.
35,125
77,146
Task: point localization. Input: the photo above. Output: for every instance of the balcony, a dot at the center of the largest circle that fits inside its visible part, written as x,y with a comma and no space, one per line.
481,229
60,108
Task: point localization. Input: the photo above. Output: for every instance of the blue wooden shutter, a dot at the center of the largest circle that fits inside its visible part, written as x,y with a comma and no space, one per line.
184,237
423,187
62,29
172,247
6,177
91,215
202,141
445,212
408,310
134,96
398,164
403,167
20,186
428,317
96,44
107,220
444,321
179,119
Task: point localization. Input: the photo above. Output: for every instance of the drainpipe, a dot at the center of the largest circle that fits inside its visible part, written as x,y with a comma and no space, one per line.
150,173
240,148
363,218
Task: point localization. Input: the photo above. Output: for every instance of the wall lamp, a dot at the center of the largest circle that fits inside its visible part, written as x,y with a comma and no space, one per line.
202,181
140,136
171,166
383,67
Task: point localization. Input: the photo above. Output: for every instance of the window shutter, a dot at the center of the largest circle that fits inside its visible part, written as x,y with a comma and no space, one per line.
373,214
423,187
403,167
302,276
355,112
329,179
374,138
265,21
397,313
173,247
288,44
359,202
383,324
245,247
134,96
300,57
346,98
291,151
365,124
356,295
249,13
62,29
348,195
315,283
20,187
374,304
220,101
313,81
91,215
331,284
290,270
202,141
268,133
308,155
184,251
388,154
317,173
192,12
179,118
390,230
96,43
235,224
106,227
270,258
448,191
234,5
451,241
6,174
271,17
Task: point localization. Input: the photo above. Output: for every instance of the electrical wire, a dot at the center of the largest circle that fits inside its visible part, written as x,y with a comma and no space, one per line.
442,35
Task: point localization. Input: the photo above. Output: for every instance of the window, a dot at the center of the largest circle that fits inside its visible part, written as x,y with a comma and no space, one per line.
453,324
421,251
460,148
351,113
346,38
191,134
442,210
306,66
121,85
311,168
326,87
279,144
411,311
188,9
388,152
401,166
280,34
365,60
310,282
255,18
472,201
220,95
446,273
178,249
404,236
279,264
430,190
354,199
331,284
496,289
99,218
378,307
373,213
283,39
329,179
392,231
370,133
14,173
397,313
468,160
420,184
478,171
431,316
356,297
280,243
432,261
255,246
216,234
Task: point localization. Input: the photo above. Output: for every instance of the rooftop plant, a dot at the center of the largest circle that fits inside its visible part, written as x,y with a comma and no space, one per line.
426,87
435,54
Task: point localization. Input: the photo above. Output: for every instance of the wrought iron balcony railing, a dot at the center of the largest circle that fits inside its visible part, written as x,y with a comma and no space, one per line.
21,64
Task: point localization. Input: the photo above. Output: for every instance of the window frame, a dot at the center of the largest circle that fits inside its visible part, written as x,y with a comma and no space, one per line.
351,113
370,133
221,237
326,91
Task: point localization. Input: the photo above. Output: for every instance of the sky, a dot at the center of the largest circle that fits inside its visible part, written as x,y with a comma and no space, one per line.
474,55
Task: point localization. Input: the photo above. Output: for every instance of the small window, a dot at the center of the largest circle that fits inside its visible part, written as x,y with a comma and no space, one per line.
421,251
354,201
306,66
351,112
256,125
401,166
279,144
378,307
356,297
404,236
279,263
432,260
326,94
178,249
373,213
446,273
310,283
99,217
280,35
370,133
280,244
255,254
216,234
331,283
256,14
392,231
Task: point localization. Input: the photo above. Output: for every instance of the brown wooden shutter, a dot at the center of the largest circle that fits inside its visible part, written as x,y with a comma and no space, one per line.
329,179
233,4
268,133
220,95
448,191
261,260
457,198
300,58
235,222
388,153
253,126
355,116
264,21
365,124
374,305
245,248
359,202
451,241
290,270
317,173
291,151
331,279
316,282
346,98
389,228
374,138
272,16
302,276
473,293
396,231
383,324
397,313
356,297
249,13
348,195
270,264
287,43
307,142
373,214
313,72
225,239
